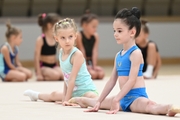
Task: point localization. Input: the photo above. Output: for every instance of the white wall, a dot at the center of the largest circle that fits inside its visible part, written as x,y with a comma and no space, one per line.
166,35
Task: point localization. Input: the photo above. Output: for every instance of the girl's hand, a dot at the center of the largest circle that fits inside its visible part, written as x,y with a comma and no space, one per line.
114,107
95,108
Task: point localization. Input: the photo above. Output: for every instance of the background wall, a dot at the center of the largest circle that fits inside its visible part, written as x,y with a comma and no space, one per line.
165,34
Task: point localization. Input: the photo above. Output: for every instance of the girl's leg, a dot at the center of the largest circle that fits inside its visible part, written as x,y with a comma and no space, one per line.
26,71
52,97
144,105
90,102
60,72
92,72
34,96
15,76
91,95
50,74
100,72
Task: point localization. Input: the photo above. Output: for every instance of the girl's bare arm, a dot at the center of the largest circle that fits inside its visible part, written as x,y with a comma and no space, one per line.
77,60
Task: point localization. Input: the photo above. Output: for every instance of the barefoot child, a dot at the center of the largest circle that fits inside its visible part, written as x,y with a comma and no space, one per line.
45,51
128,65
77,80
88,42
11,68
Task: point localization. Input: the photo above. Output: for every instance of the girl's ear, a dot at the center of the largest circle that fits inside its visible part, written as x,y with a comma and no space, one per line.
76,35
56,38
12,37
133,32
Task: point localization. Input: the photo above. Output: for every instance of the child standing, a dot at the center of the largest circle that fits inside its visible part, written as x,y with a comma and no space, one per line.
45,50
127,71
152,59
87,42
11,68
77,80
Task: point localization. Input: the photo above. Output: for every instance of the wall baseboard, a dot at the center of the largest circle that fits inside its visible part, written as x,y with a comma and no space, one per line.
110,62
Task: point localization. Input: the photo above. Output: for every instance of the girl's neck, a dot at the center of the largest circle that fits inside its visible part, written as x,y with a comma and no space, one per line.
143,43
128,45
48,34
67,51
12,45
87,35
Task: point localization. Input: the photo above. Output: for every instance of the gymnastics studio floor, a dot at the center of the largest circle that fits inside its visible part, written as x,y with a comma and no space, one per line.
15,106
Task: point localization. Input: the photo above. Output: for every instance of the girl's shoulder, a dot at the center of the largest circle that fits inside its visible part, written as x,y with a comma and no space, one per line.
39,38
77,53
4,48
39,41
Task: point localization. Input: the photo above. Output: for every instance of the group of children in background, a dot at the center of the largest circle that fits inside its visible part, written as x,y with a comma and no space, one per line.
87,41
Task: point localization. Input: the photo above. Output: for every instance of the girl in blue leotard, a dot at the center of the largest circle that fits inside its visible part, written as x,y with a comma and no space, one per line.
127,71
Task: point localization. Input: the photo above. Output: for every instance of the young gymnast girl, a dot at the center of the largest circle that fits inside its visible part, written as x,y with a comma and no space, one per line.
11,68
151,56
77,80
45,51
87,42
128,65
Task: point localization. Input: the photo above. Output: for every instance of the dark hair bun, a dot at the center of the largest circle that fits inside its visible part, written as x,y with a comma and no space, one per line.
40,20
136,12
8,25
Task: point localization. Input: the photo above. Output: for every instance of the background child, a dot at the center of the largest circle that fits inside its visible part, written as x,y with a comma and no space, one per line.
11,67
77,80
45,50
127,71
87,42
152,59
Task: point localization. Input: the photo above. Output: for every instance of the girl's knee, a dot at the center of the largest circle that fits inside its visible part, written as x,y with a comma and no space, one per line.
150,106
56,76
54,93
101,75
94,74
21,77
29,74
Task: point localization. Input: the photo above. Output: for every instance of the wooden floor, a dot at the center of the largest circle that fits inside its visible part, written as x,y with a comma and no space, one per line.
14,106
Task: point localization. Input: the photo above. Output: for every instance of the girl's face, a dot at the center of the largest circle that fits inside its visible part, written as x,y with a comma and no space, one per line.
142,37
17,39
50,26
91,27
66,38
122,34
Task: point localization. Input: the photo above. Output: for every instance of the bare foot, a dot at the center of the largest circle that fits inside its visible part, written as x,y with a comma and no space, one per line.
79,101
173,111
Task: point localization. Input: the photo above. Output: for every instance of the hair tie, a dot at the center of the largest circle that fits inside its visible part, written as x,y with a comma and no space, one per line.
43,15
65,23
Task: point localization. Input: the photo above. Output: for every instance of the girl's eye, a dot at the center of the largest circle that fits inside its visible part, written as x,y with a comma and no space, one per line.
62,38
119,31
70,36
114,31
